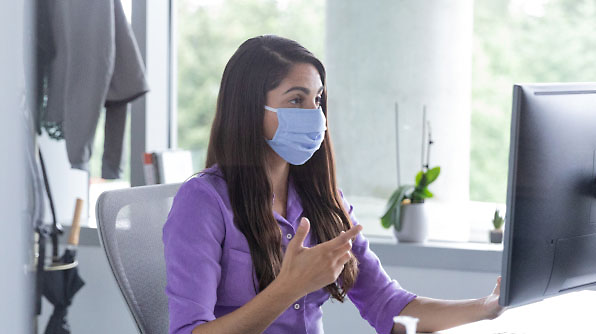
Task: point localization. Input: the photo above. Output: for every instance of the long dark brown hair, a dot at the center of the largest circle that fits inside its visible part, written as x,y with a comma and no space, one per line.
237,145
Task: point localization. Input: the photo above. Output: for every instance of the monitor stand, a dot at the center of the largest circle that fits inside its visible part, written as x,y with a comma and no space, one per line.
573,271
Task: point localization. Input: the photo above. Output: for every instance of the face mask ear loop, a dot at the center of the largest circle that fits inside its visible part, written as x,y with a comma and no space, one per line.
271,109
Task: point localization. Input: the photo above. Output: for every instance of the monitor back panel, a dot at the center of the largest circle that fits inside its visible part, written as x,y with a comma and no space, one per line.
550,232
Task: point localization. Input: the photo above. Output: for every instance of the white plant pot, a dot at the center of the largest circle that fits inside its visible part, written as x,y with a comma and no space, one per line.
414,223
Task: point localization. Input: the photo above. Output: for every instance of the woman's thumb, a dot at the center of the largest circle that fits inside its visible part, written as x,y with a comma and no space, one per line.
301,233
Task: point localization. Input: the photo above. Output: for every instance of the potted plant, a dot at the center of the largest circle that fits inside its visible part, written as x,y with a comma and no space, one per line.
405,210
496,235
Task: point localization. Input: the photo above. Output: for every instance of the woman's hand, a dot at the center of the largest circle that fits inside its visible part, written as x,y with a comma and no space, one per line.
491,303
303,270
308,269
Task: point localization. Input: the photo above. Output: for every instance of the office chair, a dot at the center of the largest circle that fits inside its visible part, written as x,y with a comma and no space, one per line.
129,223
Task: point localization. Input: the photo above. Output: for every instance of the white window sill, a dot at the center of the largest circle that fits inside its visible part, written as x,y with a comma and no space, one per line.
460,256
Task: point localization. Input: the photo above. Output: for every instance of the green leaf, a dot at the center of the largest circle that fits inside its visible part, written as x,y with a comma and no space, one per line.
419,178
426,193
388,218
393,198
397,217
417,196
432,175
498,221
393,218
397,196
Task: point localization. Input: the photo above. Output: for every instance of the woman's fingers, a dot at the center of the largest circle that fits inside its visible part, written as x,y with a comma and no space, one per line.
342,248
339,247
352,232
336,247
492,302
298,240
344,258
344,237
497,289
341,243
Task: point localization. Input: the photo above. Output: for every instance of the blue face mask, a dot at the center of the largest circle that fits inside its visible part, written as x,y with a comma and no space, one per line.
299,134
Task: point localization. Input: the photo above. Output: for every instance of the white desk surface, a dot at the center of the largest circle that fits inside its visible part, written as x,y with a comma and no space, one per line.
570,313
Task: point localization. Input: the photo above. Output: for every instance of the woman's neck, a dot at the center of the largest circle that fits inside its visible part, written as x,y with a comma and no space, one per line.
279,171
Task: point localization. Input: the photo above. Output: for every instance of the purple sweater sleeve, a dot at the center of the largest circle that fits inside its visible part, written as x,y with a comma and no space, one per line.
377,297
192,237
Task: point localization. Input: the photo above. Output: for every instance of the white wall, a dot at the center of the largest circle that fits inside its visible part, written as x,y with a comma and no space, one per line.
15,204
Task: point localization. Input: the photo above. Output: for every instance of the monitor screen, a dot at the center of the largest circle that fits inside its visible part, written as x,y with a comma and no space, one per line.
550,226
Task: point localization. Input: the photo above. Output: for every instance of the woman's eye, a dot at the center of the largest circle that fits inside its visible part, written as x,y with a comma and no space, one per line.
300,100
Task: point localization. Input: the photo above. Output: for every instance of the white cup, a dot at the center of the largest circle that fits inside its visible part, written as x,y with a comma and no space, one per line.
410,323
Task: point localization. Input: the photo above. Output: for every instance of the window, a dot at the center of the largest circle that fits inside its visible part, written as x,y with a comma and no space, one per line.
520,41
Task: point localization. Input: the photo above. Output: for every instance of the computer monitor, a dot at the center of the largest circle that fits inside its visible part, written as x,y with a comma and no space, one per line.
550,226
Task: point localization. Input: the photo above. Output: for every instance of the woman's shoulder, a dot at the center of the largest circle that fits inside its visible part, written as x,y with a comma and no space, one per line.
349,208
211,172
208,179
198,199
207,185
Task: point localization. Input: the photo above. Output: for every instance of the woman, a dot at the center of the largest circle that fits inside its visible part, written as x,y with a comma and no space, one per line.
259,240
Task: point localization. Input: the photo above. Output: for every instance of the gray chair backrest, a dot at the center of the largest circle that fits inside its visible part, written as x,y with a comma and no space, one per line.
129,223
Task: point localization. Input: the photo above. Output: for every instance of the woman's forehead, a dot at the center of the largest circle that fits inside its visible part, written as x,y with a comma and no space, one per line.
302,75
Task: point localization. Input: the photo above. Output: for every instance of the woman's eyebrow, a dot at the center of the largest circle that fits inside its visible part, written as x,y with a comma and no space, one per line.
302,89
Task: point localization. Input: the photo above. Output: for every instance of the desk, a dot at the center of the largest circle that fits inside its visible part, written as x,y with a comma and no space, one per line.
570,313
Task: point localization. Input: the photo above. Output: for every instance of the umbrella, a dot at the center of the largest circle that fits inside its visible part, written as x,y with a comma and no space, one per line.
61,280
43,233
